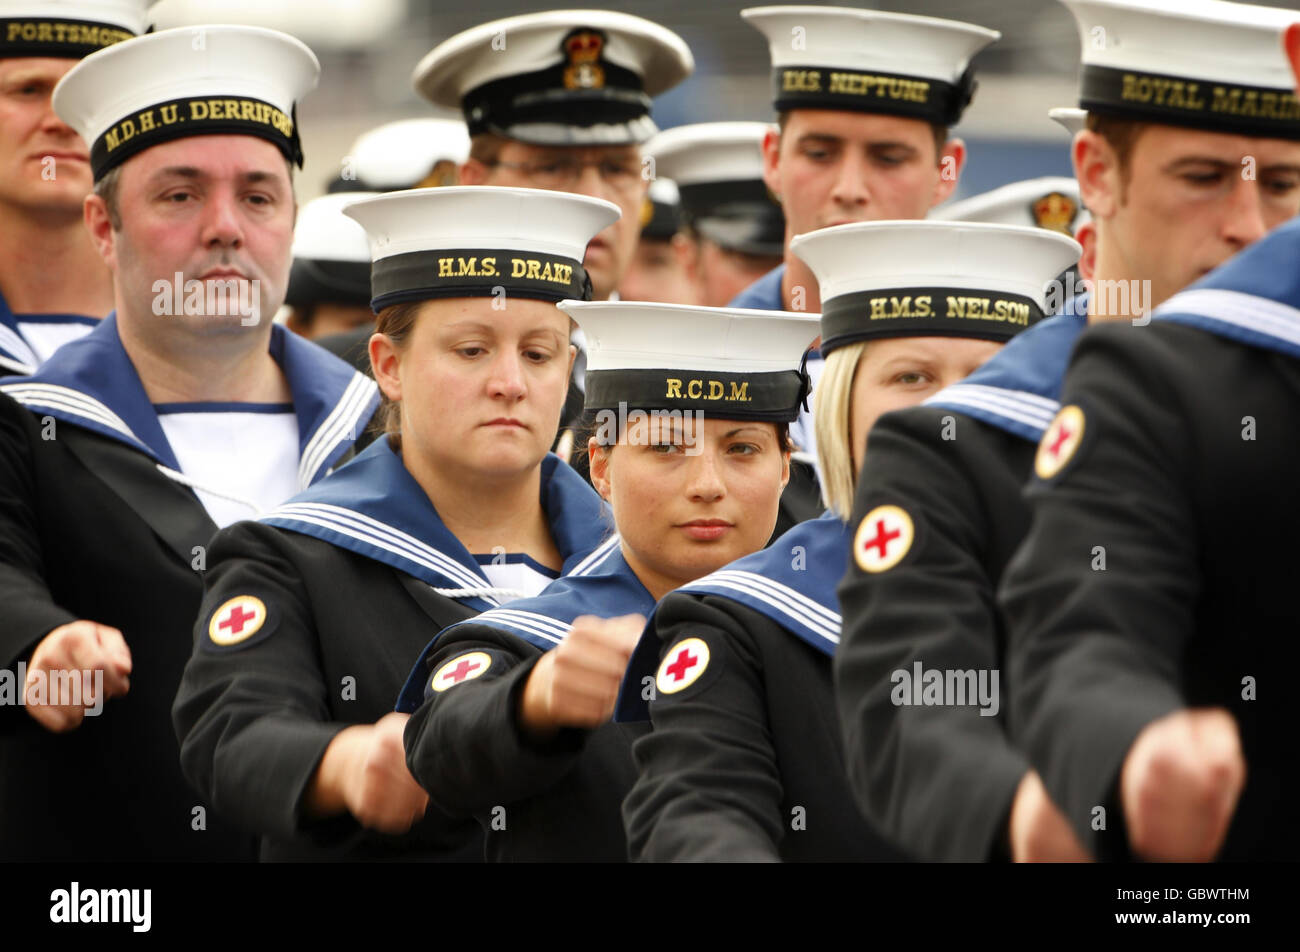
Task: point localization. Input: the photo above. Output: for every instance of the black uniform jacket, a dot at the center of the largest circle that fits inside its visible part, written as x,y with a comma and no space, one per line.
1159,570
311,621
556,800
941,778
255,717
744,762
91,528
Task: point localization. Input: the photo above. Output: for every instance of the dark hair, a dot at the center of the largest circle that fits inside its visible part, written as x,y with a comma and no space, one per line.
1122,136
939,130
396,323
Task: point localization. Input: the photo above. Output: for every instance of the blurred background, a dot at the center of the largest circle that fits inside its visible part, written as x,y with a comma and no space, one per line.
368,49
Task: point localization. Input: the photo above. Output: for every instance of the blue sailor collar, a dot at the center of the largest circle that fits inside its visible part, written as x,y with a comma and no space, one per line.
764,294
91,383
374,507
800,599
603,584
16,355
1019,388
1253,298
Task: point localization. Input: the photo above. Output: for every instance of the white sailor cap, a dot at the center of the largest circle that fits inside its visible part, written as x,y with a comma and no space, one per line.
718,167
869,61
1050,202
68,30
661,211
562,77
1069,118
932,278
1207,64
735,363
331,254
188,81
404,154
479,241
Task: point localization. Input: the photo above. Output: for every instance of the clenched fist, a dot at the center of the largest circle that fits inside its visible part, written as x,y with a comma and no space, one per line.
364,772
576,683
78,649
1180,784
1039,831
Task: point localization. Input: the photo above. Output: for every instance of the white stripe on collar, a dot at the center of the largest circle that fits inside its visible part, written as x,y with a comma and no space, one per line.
1019,405
338,426
373,532
24,358
528,623
798,607
20,369
1250,311
71,401
597,556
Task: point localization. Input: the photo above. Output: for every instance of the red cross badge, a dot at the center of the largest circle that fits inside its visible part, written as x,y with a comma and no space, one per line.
682,666
1059,442
460,669
882,539
237,620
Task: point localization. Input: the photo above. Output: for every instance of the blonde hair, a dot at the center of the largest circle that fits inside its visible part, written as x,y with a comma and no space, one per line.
832,418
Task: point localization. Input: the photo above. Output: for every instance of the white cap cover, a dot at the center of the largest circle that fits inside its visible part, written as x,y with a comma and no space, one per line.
1201,63
735,363
931,278
477,241
188,81
562,77
869,61
69,29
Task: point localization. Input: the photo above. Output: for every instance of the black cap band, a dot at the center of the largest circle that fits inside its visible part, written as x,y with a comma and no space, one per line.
663,222
925,312
1202,104
772,396
476,272
66,39
822,87
195,116
738,215
328,282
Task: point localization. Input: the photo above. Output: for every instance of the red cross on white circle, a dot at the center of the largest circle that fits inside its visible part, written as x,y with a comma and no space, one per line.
682,665
238,619
460,669
1060,442
882,539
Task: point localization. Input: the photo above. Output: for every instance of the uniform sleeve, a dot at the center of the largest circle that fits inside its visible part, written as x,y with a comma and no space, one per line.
30,611
938,779
252,713
1099,598
708,786
464,744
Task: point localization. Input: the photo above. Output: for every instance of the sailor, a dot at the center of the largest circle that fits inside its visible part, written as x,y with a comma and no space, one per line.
689,445
182,411
865,101
1165,186
313,614
54,287
744,762
1140,683
561,100
658,271
734,232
